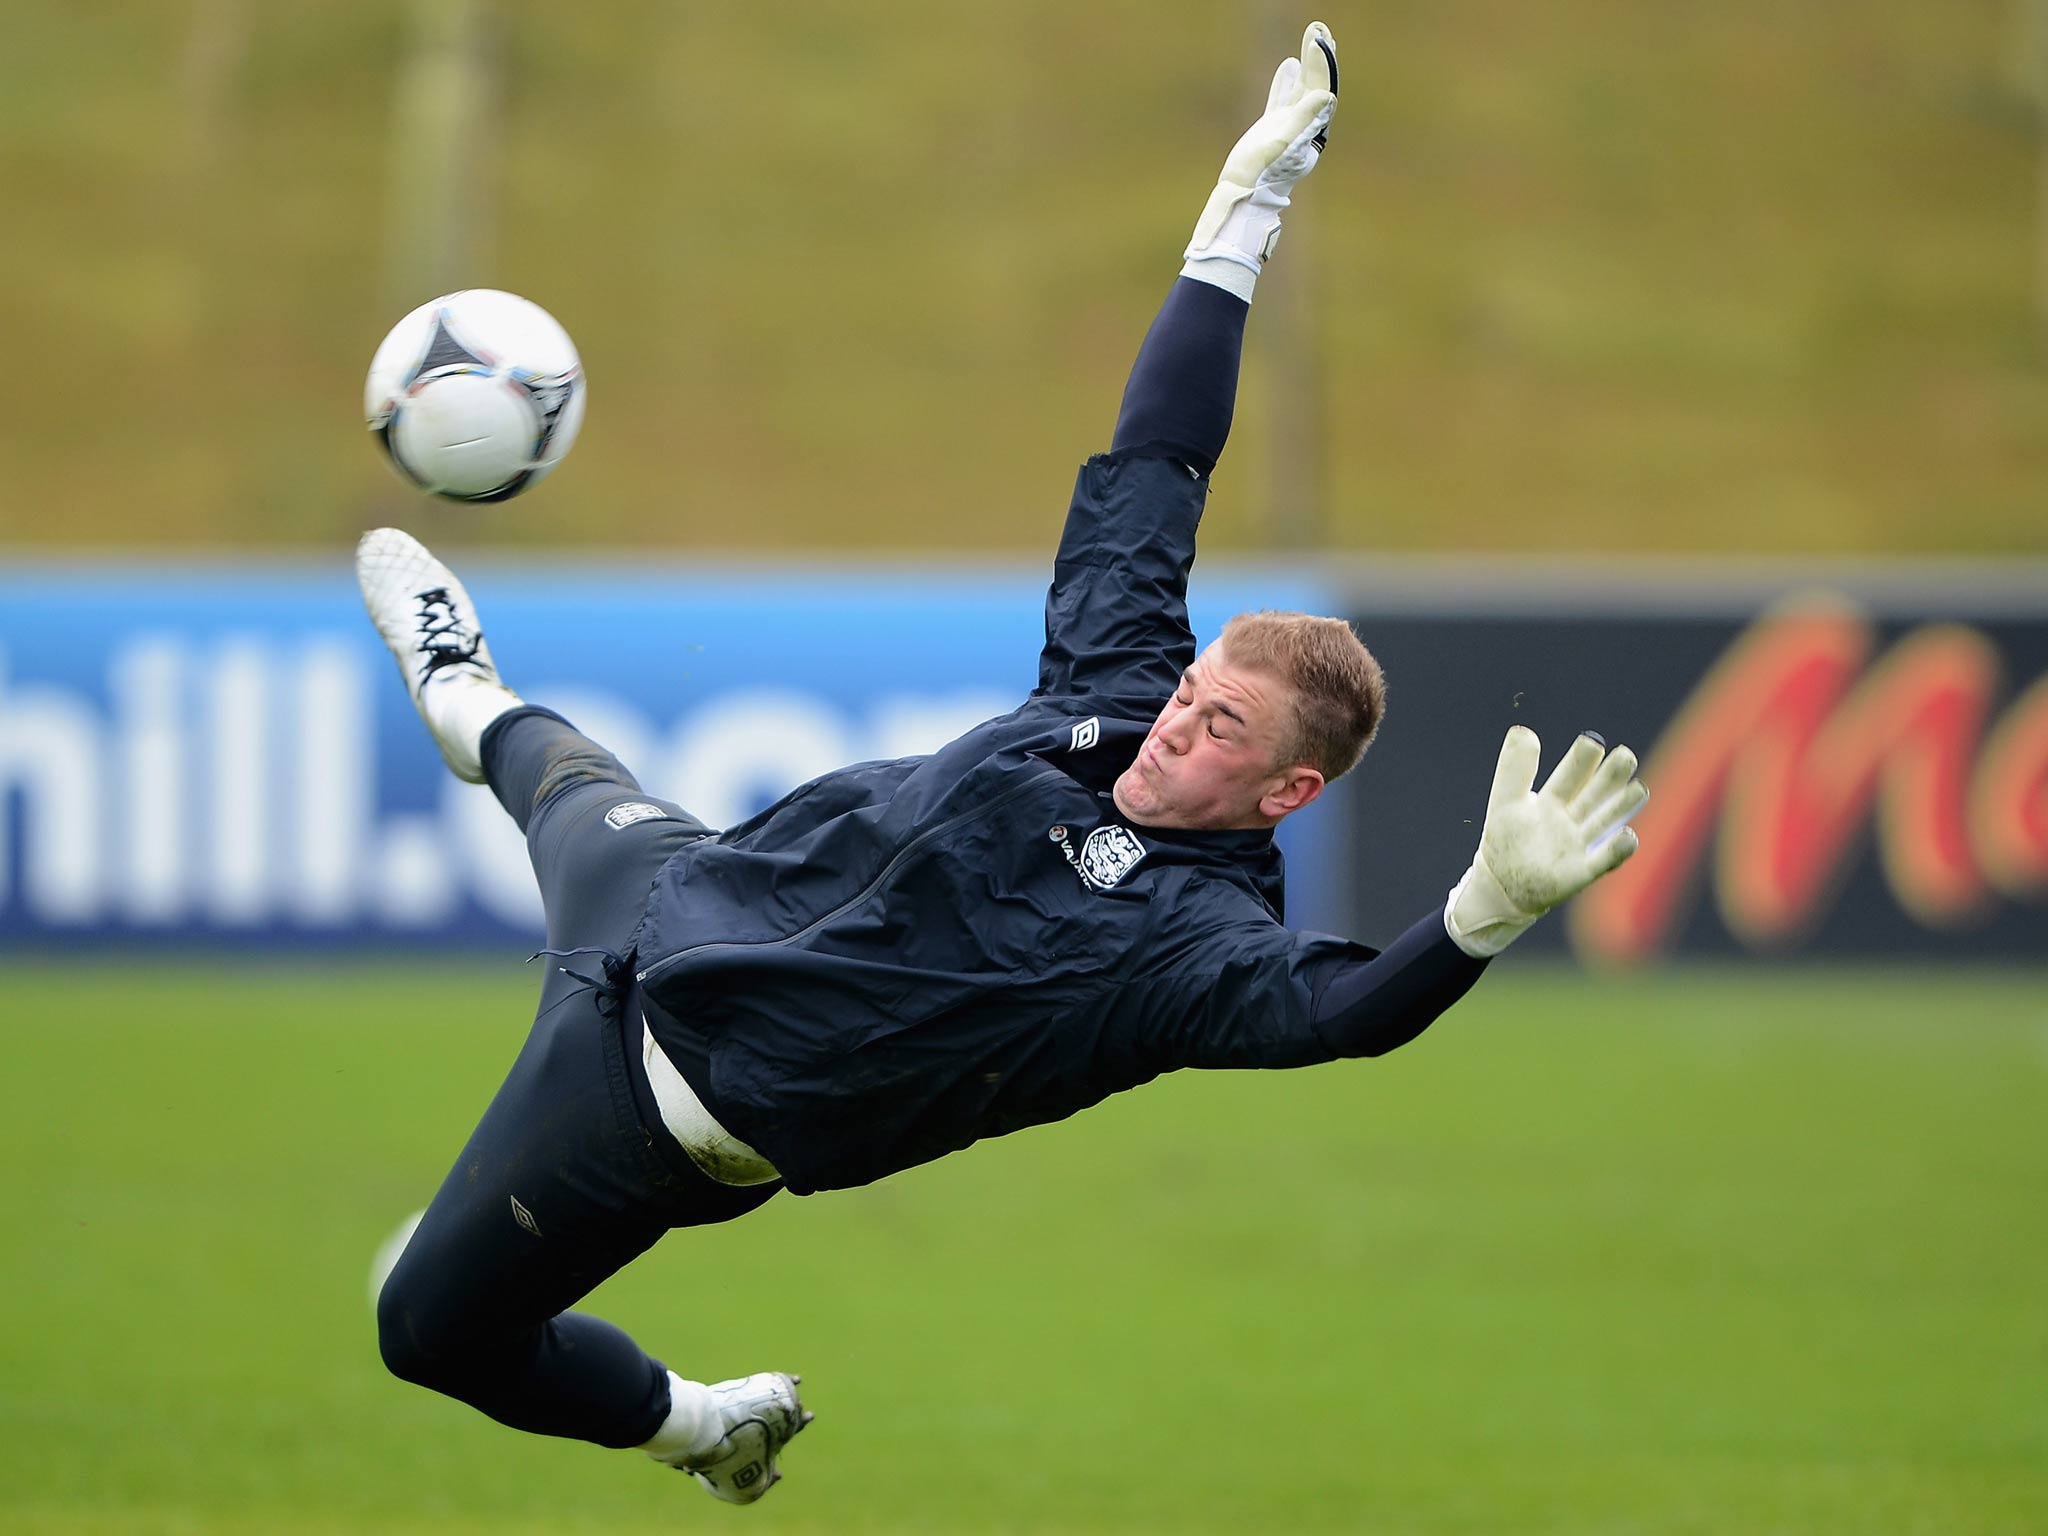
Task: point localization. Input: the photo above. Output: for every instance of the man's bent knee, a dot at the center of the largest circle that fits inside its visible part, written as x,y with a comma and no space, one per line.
584,763
416,1347
531,755
404,1355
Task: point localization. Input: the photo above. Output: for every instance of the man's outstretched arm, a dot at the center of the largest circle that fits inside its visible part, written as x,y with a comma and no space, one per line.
1538,849
1259,995
1183,389
1116,617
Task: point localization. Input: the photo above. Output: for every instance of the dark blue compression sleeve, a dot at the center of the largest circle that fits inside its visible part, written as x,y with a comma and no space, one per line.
1183,387
1371,1008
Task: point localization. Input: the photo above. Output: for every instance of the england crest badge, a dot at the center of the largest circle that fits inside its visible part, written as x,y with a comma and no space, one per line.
1110,853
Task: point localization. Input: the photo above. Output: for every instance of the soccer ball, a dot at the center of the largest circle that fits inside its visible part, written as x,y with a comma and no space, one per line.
475,395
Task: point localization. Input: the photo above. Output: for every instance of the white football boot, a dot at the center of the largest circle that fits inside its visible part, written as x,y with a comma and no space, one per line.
759,1415
427,619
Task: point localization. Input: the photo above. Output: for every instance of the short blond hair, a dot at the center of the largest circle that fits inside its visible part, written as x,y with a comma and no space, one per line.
1340,694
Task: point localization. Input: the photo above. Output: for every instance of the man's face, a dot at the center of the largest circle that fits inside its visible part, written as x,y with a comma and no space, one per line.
1211,758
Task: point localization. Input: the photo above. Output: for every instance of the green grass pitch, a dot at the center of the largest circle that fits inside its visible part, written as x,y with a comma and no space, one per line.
1696,1252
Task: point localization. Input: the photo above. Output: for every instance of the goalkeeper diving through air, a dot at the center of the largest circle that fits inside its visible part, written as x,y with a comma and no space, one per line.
901,958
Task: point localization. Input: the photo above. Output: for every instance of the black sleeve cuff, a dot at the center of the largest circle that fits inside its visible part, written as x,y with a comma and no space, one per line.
1369,1008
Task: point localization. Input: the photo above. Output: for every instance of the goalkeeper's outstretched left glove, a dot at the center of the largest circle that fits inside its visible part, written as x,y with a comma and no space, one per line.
1541,846
1241,222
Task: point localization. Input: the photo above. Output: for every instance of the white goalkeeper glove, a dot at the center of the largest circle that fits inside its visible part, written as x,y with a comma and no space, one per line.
1540,847
1241,223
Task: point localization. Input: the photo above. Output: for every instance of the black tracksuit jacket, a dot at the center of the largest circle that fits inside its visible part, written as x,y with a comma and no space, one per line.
900,958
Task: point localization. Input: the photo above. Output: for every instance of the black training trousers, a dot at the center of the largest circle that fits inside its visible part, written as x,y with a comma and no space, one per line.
562,1182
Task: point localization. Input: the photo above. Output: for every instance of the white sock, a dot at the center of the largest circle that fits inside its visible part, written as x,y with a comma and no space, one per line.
1232,276
459,707
692,1426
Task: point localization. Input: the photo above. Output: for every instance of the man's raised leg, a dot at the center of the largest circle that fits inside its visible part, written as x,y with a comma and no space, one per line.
561,1183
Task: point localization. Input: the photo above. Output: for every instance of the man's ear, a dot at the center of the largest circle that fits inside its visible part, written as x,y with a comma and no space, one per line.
1300,785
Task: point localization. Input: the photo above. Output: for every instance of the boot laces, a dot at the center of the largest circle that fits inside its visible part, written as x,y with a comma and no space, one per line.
444,640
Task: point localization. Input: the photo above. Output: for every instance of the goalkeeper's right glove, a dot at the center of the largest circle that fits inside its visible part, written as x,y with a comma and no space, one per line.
1241,222
1540,848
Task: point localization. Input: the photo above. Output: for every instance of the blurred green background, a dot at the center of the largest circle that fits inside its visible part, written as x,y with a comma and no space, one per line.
1654,275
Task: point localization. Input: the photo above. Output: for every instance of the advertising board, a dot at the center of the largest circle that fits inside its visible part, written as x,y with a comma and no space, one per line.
1838,767
226,757
1841,766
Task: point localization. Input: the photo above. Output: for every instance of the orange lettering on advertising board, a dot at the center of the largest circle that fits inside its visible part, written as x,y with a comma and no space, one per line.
1790,748
2009,808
